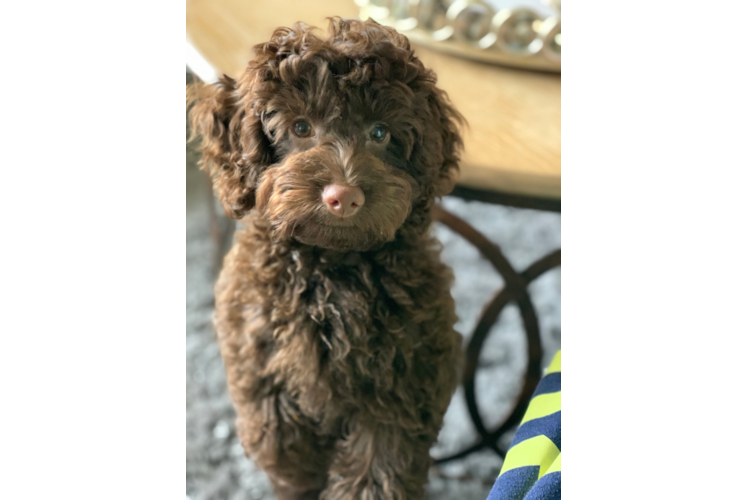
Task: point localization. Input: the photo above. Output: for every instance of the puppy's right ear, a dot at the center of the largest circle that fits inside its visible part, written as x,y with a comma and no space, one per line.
233,145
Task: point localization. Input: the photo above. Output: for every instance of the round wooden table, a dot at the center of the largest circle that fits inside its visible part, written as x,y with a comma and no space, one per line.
512,152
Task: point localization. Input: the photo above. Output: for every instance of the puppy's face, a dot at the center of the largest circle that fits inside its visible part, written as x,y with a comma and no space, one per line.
342,177
338,142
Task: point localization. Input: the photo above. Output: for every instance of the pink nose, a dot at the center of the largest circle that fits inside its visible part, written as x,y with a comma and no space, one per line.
341,200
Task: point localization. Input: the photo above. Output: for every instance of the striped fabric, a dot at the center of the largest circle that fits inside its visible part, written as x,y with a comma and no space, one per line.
532,468
654,281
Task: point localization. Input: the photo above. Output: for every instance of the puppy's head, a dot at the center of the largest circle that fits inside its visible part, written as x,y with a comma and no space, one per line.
339,141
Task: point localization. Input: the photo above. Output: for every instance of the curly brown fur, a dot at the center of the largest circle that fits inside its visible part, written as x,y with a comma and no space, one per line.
337,333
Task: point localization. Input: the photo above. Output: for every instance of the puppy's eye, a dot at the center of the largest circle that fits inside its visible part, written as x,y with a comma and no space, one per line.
302,129
379,133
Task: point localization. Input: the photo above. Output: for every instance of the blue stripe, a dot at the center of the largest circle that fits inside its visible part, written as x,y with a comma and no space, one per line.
654,260
549,426
548,487
659,219
549,383
514,484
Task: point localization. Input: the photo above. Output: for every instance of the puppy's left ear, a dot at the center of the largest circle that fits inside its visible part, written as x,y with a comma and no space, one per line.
448,122
233,145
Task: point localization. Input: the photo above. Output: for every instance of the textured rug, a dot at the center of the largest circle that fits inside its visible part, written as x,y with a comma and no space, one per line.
216,466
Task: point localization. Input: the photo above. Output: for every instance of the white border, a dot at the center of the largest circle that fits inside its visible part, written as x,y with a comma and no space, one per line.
667,287
635,214
649,39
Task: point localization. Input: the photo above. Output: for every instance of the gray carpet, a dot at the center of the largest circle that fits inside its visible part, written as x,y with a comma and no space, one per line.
216,466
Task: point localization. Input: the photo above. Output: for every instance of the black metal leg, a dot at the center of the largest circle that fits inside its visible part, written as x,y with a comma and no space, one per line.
515,290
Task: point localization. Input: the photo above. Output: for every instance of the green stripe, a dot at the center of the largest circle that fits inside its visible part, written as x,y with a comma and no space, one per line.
654,245
654,225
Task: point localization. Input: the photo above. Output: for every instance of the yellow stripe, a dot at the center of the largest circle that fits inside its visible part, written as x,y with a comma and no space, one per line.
538,450
654,230
654,276
654,302
555,365
645,476
543,405
555,466
651,266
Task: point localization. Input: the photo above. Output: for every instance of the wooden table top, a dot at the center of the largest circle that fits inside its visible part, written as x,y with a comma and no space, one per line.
513,143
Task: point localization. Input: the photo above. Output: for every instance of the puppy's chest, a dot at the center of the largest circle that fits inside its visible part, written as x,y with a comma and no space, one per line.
352,309
349,331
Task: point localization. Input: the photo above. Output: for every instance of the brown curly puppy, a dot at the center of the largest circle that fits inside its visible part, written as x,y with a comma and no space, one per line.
333,311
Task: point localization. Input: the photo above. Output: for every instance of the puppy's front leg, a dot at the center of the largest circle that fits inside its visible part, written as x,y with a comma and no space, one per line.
286,446
380,462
